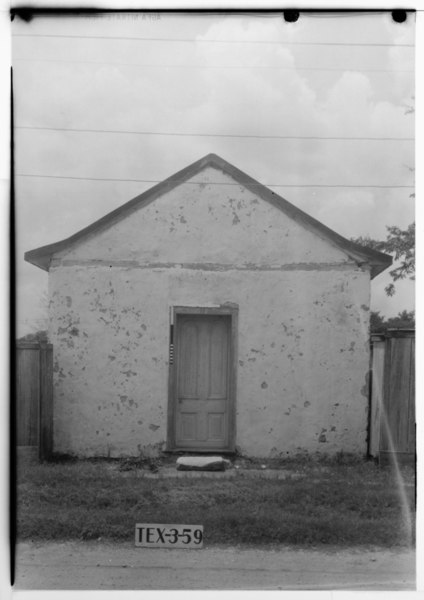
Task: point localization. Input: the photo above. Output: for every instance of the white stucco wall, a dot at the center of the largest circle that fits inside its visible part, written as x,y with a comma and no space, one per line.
303,325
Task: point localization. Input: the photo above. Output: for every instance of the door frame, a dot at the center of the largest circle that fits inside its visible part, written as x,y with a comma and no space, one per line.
225,310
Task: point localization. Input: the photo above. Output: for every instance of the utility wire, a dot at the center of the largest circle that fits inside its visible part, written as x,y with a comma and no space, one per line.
138,65
204,41
289,185
218,135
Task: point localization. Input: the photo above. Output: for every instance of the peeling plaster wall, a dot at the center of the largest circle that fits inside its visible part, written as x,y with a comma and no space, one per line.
221,224
303,325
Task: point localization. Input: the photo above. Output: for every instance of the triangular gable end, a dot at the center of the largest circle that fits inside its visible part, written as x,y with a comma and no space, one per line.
377,261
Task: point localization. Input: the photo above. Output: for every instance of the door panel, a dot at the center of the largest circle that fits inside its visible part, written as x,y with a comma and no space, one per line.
202,386
189,349
188,425
218,357
215,426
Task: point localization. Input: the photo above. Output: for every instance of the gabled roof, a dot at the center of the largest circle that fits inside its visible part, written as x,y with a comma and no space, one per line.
378,261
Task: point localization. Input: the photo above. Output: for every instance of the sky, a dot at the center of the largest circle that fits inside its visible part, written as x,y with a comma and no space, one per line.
107,106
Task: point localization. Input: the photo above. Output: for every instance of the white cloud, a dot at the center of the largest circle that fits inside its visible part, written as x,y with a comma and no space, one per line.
259,101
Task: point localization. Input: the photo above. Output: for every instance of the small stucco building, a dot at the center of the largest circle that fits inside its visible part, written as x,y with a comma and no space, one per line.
209,314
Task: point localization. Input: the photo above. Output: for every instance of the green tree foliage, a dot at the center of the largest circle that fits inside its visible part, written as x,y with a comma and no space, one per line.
401,245
404,320
38,336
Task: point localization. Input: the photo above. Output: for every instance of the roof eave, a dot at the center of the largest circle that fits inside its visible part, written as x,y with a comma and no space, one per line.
377,261
379,267
40,257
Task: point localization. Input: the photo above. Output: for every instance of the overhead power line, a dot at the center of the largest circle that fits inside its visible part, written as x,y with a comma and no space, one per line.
219,135
205,41
224,67
285,185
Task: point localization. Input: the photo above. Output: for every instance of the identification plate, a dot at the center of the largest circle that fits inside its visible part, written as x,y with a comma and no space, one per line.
152,535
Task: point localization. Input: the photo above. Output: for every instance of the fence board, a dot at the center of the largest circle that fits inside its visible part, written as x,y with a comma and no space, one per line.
46,401
377,366
412,444
34,397
397,415
28,396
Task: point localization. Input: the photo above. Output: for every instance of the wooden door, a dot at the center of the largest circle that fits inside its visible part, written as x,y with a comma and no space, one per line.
202,390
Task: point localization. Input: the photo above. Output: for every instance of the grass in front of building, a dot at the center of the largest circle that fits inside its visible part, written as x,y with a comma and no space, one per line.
358,504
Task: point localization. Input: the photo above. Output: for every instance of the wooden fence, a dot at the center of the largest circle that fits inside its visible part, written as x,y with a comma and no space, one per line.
392,396
392,402
34,398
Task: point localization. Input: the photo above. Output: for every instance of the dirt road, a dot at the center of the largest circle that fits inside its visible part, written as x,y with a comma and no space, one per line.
96,565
